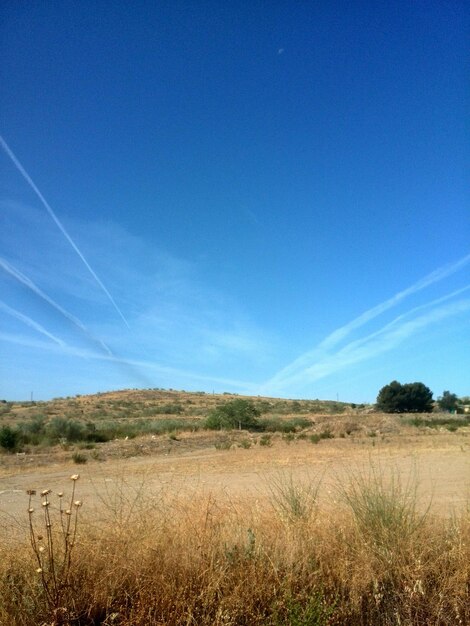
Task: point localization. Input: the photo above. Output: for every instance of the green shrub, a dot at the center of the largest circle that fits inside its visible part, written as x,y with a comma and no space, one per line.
313,611
9,438
173,408
237,413
292,499
223,444
277,424
78,458
386,513
245,443
60,428
265,440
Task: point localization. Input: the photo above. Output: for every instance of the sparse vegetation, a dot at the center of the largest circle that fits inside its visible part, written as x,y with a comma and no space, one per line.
133,413
164,559
265,440
454,422
280,425
79,458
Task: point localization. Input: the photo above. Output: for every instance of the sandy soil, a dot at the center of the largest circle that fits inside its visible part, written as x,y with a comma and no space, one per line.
439,463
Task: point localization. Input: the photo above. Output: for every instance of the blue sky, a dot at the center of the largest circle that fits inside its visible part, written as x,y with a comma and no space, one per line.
259,197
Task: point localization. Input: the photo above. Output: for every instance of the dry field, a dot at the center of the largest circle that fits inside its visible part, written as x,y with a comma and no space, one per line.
369,526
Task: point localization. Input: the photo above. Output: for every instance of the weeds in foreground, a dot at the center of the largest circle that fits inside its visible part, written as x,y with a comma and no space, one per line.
385,510
192,558
294,500
53,541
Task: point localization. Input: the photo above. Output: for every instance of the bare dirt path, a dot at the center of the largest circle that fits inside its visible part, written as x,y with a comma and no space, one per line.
439,463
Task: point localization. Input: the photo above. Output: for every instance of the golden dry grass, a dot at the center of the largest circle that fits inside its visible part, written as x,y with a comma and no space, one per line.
370,527
169,556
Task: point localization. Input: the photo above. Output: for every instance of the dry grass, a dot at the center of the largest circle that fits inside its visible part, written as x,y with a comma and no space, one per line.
189,558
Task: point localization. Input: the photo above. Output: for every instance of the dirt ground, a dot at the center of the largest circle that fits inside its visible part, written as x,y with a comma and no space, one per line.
438,463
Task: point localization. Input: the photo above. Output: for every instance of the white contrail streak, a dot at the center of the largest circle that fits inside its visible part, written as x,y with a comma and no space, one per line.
31,323
31,183
148,365
27,282
437,275
388,338
339,334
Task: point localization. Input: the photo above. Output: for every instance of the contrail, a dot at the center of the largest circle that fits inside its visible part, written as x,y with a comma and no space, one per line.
31,183
339,334
372,345
27,282
132,363
434,277
382,331
31,323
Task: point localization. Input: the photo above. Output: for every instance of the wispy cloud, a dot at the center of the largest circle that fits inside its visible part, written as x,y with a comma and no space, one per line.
192,331
150,366
30,322
388,338
59,224
443,272
327,358
27,282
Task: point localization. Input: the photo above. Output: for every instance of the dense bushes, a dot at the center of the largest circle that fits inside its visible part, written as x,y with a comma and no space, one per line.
234,414
63,430
408,398
9,438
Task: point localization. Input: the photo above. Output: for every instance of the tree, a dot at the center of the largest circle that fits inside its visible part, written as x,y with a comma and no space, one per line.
408,398
238,413
448,401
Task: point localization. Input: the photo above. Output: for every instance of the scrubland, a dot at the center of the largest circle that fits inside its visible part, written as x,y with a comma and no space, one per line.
370,525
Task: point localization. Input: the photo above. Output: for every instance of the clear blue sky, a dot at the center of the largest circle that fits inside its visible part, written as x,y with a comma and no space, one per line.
259,197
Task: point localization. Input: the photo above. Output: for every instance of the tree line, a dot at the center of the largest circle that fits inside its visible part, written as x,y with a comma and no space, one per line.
415,398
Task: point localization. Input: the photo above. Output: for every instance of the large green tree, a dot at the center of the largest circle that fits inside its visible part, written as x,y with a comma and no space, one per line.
407,398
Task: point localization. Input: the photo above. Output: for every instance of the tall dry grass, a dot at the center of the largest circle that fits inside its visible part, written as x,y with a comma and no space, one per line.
192,559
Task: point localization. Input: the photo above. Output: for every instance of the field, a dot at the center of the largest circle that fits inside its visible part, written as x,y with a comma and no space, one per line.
331,514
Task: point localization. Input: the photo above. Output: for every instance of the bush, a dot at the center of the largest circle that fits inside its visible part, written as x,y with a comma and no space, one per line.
265,440
234,414
277,424
9,438
78,458
408,398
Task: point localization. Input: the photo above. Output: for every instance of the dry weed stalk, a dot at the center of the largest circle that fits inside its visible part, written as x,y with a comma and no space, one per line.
53,547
